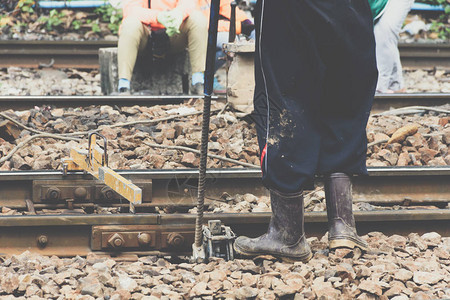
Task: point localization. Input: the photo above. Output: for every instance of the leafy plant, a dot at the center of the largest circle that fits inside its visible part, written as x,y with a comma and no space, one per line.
76,24
441,26
26,6
110,15
95,27
53,20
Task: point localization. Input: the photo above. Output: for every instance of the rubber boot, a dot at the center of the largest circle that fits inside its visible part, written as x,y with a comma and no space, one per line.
285,237
341,222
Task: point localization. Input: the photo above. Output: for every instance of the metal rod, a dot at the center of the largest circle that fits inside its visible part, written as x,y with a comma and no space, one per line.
209,81
232,33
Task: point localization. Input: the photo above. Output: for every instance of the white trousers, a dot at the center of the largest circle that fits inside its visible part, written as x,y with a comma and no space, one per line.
387,31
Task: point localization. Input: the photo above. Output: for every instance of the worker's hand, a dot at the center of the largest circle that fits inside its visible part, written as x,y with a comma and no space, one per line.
248,28
172,20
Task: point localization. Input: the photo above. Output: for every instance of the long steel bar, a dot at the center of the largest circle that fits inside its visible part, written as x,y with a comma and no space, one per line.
229,172
426,55
208,90
228,218
70,235
84,54
65,54
382,102
178,188
27,102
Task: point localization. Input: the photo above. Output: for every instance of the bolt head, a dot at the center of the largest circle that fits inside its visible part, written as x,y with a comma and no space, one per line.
116,241
42,241
144,239
175,239
53,193
107,193
80,193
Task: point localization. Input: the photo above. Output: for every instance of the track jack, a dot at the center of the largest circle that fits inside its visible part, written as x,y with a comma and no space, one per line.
95,162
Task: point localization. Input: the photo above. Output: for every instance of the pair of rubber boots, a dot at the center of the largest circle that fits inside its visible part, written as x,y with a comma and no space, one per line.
285,237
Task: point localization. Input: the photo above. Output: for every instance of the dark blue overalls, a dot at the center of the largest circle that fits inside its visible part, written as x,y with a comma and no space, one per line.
315,74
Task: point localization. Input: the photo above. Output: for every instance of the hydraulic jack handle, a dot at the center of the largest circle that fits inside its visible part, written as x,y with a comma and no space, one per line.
198,246
92,142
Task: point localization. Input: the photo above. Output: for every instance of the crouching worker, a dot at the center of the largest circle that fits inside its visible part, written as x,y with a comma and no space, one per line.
243,26
315,74
173,25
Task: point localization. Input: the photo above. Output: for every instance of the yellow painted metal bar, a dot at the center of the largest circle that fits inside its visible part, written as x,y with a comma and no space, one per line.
93,161
78,157
121,185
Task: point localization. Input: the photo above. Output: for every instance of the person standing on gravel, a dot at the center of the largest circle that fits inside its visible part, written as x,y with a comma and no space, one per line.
315,74
389,16
173,24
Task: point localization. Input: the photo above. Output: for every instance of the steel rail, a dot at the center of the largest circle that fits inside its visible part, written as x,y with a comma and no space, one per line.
385,102
27,102
226,173
70,235
382,102
425,55
65,54
74,233
177,188
84,54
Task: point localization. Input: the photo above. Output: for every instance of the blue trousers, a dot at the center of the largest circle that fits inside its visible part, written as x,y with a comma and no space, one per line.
315,73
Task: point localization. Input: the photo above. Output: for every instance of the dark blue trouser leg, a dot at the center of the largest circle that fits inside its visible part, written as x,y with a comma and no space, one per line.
315,75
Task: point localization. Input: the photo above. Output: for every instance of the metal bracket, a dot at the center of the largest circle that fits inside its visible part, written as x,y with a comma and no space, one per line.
218,240
95,162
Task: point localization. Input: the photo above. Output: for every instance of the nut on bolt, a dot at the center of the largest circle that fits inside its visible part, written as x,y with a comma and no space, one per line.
116,241
53,193
107,193
175,239
144,239
80,193
42,241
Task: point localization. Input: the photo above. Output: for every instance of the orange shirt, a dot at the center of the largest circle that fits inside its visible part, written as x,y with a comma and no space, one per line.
139,9
225,11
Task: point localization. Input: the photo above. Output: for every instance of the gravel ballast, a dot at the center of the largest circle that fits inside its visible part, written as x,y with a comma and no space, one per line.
397,267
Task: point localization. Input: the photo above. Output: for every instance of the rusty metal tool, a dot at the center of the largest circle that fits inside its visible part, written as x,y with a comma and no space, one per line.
95,161
198,248
232,32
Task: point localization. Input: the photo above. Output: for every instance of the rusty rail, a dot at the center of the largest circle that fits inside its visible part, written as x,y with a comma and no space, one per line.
70,235
84,54
418,55
72,232
177,188
382,102
27,102
65,54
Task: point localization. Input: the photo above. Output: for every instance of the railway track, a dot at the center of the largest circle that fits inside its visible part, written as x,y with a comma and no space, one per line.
27,102
381,102
84,54
64,54
57,213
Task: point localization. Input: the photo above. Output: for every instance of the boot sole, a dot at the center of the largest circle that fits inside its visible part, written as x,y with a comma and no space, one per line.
287,259
346,243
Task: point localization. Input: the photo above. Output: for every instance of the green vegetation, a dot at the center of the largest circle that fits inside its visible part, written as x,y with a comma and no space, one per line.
26,6
53,20
110,15
67,20
441,26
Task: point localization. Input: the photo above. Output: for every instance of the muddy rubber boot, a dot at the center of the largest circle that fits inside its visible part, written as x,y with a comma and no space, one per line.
341,222
285,237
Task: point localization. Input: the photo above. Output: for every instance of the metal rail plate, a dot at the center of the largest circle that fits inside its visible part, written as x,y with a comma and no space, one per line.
178,188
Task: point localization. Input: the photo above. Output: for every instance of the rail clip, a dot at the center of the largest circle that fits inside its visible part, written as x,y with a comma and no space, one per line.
218,240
